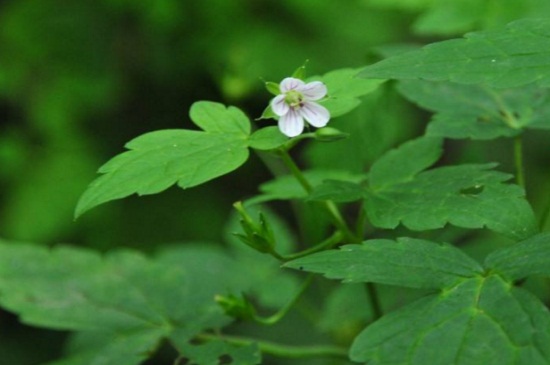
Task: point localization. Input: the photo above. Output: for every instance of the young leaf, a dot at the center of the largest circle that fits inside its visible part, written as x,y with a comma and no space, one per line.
478,321
478,112
406,262
514,56
124,295
344,90
530,257
160,159
286,187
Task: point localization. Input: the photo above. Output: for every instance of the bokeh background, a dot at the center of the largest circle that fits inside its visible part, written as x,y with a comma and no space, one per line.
80,78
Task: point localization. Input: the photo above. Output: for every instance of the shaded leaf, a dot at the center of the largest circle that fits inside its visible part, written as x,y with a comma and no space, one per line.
344,90
338,191
125,299
514,56
529,257
267,138
405,262
286,187
469,196
478,321
212,352
478,112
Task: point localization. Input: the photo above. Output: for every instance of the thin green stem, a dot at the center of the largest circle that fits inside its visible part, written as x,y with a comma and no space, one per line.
361,221
544,216
333,240
281,350
374,300
518,159
335,214
283,311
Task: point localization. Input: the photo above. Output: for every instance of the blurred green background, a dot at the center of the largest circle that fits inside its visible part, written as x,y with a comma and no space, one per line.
79,78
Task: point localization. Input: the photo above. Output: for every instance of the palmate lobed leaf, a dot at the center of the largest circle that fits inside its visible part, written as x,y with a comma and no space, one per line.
514,56
405,262
470,196
123,303
529,257
160,159
477,321
477,111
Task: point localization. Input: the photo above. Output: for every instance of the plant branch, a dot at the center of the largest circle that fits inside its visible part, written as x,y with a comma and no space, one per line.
283,311
281,350
518,160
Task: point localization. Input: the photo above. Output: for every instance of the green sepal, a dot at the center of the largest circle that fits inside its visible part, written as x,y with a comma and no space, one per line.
329,134
300,72
272,87
258,235
268,113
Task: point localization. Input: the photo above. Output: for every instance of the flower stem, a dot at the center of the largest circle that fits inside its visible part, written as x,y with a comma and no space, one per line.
332,209
518,159
374,300
283,311
281,350
334,239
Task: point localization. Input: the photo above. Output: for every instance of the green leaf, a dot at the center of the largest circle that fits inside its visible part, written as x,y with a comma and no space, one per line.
338,191
529,257
212,352
267,138
160,159
124,295
405,262
402,164
470,196
478,321
514,56
286,187
478,112
344,90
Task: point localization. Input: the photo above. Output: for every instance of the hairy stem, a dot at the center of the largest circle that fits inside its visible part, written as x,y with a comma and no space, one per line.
333,240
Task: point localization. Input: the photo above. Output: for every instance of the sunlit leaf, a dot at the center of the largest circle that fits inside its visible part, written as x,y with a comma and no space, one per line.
160,159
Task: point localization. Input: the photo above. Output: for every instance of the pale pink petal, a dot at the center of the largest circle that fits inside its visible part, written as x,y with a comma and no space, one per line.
290,83
291,124
279,106
315,114
313,90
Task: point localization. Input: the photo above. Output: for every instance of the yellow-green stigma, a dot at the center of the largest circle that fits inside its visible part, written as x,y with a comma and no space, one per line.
294,99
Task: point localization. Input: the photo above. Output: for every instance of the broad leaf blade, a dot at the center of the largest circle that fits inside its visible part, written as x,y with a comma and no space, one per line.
338,191
478,112
403,163
470,196
457,326
514,56
530,257
211,353
160,159
124,295
406,262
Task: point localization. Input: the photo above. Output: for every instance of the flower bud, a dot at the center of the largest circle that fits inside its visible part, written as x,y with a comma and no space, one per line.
236,307
257,235
329,134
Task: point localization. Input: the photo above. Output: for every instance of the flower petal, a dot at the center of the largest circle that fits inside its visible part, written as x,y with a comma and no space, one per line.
292,123
279,106
313,90
290,83
315,114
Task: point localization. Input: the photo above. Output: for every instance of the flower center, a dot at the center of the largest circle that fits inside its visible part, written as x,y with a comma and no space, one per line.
294,99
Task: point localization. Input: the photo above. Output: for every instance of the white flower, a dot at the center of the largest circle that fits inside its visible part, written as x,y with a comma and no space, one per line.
296,103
